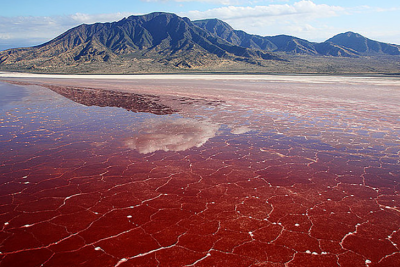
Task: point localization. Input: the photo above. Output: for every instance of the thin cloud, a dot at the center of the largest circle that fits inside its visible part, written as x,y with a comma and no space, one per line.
216,2
300,18
301,9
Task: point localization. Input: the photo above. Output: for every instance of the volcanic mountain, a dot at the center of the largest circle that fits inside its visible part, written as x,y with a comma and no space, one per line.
347,44
162,38
165,42
363,45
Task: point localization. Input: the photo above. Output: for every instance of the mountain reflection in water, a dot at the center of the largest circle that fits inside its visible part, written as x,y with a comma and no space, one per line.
167,134
108,98
172,135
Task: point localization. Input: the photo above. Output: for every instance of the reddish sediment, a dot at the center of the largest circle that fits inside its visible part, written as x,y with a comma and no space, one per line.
270,179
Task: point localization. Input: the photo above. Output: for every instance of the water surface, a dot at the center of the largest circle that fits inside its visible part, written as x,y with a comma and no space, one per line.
100,178
10,93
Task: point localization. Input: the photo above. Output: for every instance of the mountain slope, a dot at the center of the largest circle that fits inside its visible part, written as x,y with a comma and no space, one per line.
165,42
347,44
162,37
363,45
279,43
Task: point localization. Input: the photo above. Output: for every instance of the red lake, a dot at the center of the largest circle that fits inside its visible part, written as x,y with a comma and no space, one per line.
199,171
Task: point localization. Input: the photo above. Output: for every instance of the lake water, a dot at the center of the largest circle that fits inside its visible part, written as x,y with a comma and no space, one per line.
10,93
96,178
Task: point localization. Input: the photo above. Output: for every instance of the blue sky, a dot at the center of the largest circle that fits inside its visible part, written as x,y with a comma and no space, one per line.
27,22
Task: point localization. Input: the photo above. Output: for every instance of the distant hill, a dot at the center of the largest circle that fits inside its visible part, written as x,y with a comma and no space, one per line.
165,42
363,45
342,45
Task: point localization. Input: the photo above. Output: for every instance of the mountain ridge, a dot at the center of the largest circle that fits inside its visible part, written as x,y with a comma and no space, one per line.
162,42
339,45
363,45
158,34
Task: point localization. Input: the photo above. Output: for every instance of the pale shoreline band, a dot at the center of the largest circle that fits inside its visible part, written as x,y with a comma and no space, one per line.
303,78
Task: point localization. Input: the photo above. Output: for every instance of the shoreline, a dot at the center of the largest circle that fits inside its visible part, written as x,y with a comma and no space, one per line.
278,77
251,89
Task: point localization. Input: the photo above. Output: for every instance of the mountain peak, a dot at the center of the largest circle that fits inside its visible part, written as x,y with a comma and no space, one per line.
213,23
216,27
152,15
348,34
162,38
363,45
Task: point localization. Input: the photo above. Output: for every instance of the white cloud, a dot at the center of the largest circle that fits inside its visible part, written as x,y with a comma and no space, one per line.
5,36
89,18
300,18
302,9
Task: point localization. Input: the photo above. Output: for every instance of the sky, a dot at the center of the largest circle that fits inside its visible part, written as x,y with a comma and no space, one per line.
27,22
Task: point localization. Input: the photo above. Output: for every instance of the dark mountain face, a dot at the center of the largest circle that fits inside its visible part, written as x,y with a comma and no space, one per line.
363,45
343,45
165,40
219,28
163,37
280,43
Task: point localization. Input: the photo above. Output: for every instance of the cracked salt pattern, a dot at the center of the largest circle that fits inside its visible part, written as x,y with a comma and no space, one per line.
267,179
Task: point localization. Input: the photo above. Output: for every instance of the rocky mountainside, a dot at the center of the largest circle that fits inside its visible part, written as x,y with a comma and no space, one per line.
363,45
162,37
165,42
343,45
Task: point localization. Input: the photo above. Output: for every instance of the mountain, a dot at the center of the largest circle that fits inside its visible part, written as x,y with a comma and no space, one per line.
279,43
347,44
163,38
363,45
165,42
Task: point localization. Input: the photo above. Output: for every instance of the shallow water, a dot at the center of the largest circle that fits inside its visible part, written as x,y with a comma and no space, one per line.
10,93
88,179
